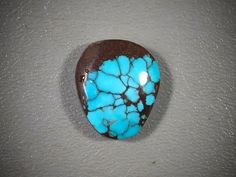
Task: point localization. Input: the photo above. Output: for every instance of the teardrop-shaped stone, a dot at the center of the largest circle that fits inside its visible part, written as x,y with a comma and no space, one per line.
117,83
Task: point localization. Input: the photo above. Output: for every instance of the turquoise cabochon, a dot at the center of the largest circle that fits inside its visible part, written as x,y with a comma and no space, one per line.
119,92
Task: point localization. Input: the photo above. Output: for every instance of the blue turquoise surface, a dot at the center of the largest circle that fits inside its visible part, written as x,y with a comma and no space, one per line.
114,106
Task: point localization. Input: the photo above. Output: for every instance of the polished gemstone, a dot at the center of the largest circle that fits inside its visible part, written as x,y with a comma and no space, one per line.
117,83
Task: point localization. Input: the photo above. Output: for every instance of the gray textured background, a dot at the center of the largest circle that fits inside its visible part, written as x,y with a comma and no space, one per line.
191,131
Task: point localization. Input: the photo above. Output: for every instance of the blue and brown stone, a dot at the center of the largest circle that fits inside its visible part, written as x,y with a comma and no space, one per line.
117,83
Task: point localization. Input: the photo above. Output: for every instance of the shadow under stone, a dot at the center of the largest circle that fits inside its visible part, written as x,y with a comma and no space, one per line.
74,111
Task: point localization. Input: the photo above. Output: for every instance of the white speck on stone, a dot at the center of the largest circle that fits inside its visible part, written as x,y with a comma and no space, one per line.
143,76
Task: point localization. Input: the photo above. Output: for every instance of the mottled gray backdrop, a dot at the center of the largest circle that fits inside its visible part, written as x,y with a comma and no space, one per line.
191,130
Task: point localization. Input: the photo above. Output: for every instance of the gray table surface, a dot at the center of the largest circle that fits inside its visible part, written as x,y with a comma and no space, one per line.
191,130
